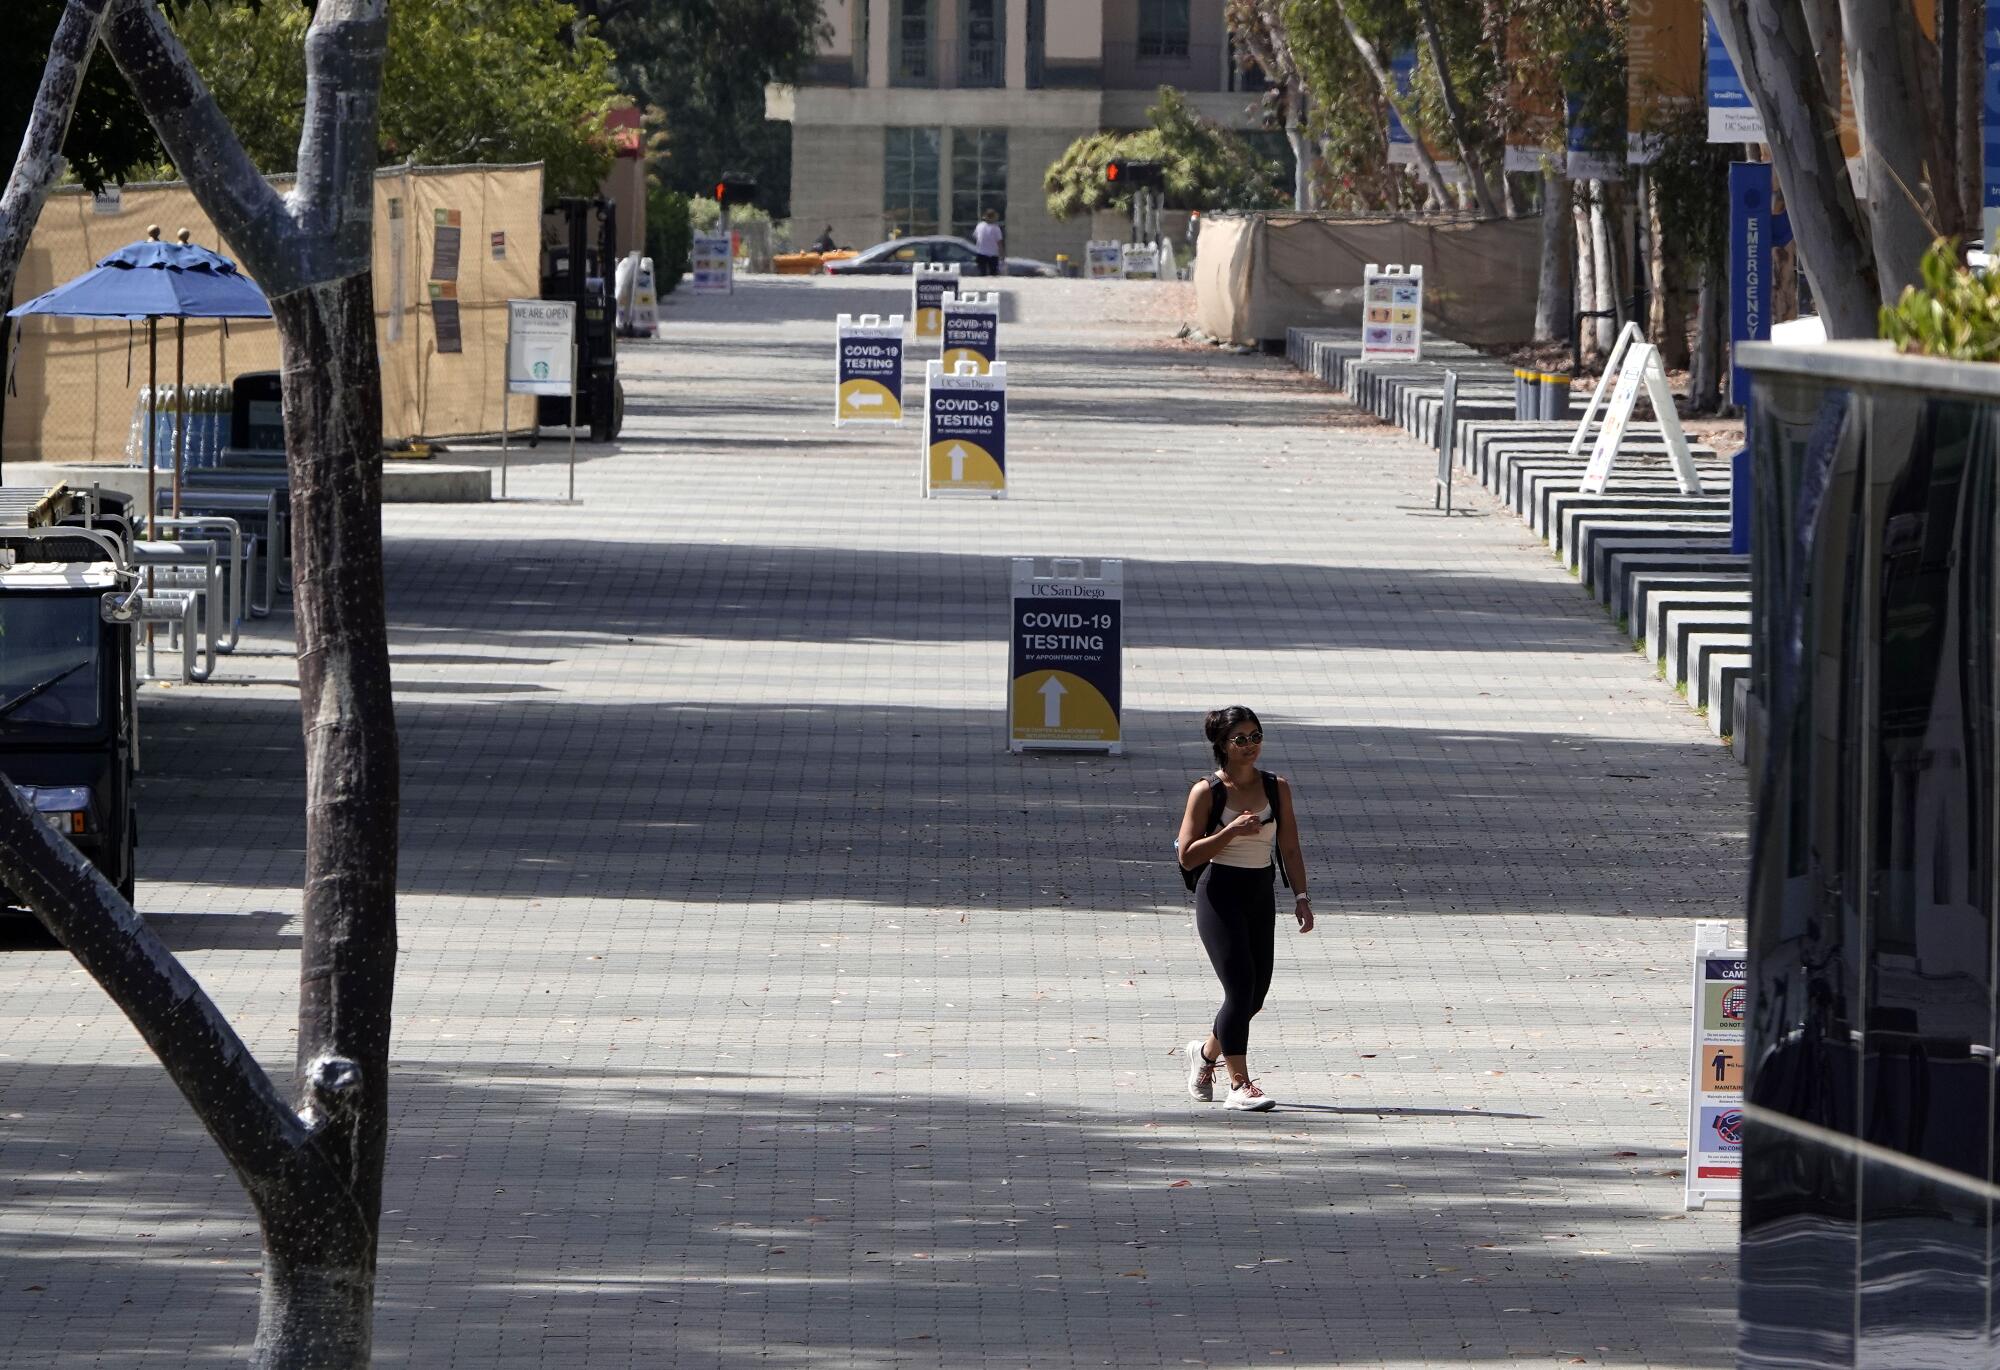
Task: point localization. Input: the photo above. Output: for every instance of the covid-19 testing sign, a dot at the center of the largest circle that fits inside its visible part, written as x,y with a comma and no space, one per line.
1104,259
1392,312
868,376
930,282
1066,660
965,430
1140,261
1715,1093
971,330
713,264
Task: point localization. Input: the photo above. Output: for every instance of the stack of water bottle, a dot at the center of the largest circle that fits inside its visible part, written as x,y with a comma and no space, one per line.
207,426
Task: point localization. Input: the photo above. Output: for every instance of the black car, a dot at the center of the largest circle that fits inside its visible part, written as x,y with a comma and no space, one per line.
898,255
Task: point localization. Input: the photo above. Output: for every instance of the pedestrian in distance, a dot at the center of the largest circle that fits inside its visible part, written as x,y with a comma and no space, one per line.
1238,833
824,243
989,242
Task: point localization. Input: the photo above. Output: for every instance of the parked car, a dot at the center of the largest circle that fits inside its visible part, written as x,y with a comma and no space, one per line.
895,257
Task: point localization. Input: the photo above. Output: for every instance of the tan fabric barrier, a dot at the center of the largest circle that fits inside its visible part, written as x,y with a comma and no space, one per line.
1258,274
76,381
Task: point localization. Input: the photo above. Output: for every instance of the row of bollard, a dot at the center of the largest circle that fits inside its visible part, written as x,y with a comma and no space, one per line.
1540,395
208,408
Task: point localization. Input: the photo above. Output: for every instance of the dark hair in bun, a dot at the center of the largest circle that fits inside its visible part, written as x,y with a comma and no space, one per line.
1221,722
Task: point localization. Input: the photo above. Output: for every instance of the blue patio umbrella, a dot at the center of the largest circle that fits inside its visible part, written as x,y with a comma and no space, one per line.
152,280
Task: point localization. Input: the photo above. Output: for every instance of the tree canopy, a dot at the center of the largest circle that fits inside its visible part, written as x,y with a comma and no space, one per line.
109,137
1207,166
705,63
465,81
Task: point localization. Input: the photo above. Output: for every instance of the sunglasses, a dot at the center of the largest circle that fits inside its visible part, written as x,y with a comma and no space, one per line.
1247,739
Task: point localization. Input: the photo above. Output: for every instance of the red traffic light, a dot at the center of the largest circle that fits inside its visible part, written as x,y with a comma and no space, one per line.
734,191
1127,171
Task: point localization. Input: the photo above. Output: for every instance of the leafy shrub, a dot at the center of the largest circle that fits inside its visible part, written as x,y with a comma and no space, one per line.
669,236
1955,315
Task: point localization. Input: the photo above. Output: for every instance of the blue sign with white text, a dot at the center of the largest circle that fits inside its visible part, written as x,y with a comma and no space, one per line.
1749,265
1990,128
1732,118
1403,67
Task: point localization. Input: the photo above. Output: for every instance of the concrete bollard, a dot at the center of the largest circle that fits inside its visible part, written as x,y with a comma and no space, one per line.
1523,396
1553,397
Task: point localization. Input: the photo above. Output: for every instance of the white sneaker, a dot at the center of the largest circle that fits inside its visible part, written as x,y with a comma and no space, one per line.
1201,1073
1247,1098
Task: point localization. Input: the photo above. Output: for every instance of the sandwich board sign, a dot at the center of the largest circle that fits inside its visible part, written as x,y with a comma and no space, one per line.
930,282
1104,259
1066,655
971,330
714,264
1637,366
868,370
965,430
1715,1083
541,360
1392,312
1140,261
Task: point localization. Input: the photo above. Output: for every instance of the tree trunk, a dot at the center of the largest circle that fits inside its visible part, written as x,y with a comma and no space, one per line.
1604,255
1769,42
1705,365
1302,187
1968,113
1667,325
1901,139
1590,349
1554,300
1469,155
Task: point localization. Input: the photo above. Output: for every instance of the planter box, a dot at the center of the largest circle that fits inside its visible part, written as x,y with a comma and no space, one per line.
1868,1160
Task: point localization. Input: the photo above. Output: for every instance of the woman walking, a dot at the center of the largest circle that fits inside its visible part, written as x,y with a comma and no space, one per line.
1237,820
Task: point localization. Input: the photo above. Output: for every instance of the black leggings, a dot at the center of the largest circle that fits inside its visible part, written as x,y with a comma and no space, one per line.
1236,914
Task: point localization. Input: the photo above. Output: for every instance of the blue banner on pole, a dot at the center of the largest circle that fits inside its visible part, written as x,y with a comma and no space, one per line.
1732,118
1749,265
1990,129
1403,68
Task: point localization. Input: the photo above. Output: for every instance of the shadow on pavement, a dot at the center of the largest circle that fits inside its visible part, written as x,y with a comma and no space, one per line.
729,1222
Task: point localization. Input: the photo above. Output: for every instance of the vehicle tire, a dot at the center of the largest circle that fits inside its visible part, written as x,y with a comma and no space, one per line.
128,887
604,415
617,407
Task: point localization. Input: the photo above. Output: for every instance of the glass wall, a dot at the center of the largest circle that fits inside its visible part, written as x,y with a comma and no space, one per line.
978,176
910,180
1163,28
982,29
911,59
1868,1162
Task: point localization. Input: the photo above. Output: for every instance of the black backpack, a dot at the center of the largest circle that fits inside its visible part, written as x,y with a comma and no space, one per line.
1217,793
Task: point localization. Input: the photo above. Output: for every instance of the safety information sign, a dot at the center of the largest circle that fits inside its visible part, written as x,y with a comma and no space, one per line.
930,282
971,330
713,264
1066,660
965,430
1715,1093
1637,366
1104,259
1392,312
1141,261
868,377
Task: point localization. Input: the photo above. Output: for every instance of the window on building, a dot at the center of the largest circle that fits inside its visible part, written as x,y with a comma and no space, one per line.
978,176
983,26
910,180
912,62
1163,28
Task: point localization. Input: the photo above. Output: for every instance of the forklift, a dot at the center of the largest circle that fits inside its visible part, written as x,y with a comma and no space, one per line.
580,266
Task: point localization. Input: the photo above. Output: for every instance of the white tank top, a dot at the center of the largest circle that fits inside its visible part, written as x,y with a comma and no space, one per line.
1251,851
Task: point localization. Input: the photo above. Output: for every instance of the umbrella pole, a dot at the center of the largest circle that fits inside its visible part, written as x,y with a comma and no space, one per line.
152,424
180,407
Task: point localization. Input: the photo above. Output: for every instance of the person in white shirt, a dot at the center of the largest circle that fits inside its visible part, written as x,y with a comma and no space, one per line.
989,242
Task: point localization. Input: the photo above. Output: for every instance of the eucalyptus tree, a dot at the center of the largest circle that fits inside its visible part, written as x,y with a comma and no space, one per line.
1916,98
311,1164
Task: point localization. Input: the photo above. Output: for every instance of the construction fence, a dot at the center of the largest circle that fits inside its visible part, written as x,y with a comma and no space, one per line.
452,246
1258,274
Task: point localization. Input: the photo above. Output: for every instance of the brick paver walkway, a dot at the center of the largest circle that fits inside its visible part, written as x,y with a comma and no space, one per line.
757,1007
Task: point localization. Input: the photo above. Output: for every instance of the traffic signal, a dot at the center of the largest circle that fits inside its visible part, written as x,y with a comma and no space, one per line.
735,192
1126,173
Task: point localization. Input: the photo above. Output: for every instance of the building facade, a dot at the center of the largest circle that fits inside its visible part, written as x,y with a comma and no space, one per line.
921,114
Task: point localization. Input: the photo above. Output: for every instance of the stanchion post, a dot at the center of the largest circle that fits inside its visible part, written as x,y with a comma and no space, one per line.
572,421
